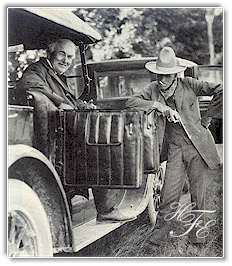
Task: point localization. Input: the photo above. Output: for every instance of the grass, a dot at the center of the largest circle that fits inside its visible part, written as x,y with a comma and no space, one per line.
132,240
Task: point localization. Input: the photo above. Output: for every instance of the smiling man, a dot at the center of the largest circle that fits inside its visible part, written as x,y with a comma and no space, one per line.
61,54
47,76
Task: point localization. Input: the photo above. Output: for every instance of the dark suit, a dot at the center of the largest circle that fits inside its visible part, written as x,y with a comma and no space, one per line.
40,76
193,157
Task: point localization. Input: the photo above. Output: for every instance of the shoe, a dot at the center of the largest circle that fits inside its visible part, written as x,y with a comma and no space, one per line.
115,216
158,236
194,239
161,232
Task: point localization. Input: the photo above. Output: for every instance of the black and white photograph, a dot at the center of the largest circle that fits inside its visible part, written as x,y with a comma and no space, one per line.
115,130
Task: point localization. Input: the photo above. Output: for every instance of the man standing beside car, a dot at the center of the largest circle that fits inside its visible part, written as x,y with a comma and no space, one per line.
190,146
47,77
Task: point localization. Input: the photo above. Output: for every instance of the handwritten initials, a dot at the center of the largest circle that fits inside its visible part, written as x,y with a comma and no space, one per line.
191,218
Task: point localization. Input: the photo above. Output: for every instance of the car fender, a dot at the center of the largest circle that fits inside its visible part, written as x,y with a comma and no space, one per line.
25,163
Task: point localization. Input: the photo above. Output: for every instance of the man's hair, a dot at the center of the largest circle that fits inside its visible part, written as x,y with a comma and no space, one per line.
52,47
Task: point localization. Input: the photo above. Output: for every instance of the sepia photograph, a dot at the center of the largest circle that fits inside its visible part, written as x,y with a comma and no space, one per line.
115,132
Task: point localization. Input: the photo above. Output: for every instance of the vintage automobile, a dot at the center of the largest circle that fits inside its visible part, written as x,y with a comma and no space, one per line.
113,81
52,152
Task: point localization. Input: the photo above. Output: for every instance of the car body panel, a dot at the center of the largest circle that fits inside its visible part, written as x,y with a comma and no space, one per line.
20,125
114,81
32,167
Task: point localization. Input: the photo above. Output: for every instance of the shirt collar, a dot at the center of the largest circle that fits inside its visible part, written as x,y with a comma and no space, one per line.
50,64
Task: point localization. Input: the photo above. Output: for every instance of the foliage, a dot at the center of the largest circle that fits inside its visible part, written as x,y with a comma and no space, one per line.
117,31
18,62
137,32
130,32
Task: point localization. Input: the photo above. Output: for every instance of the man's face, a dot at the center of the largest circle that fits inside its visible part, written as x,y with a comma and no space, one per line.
63,57
165,80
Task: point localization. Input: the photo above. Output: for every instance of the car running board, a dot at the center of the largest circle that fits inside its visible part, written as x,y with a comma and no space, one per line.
85,234
133,203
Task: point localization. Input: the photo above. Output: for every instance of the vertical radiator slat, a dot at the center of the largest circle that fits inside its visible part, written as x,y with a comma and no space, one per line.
80,146
69,140
117,166
92,153
104,150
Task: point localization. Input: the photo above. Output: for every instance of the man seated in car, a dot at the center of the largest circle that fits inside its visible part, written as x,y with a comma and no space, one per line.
47,76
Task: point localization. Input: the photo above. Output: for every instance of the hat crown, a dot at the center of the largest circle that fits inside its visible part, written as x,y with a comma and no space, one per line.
166,63
167,58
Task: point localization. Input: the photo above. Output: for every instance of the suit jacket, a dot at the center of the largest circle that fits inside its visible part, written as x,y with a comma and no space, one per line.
187,105
41,77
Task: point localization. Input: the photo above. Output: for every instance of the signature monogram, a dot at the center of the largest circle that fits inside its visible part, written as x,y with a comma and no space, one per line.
190,218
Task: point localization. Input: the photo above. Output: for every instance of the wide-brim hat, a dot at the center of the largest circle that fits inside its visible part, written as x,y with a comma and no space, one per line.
167,63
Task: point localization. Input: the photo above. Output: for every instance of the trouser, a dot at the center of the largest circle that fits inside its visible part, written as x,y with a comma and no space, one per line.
106,199
183,160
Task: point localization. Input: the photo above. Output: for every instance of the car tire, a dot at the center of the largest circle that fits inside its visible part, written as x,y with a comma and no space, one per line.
154,199
29,232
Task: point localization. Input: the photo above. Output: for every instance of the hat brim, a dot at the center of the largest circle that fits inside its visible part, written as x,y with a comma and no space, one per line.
152,67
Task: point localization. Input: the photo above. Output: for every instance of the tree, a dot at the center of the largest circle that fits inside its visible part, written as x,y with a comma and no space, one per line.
130,32
116,27
210,14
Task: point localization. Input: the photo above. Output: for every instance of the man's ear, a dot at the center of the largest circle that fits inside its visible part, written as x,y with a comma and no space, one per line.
50,56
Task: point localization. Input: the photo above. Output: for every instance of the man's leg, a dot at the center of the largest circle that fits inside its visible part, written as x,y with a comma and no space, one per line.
198,173
106,201
171,192
173,181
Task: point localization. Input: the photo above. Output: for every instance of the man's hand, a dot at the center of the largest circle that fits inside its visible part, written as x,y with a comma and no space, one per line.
172,115
91,105
65,106
205,121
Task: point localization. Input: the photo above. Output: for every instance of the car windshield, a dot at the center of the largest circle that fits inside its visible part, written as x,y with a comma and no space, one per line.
121,83
210,73
124,83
